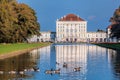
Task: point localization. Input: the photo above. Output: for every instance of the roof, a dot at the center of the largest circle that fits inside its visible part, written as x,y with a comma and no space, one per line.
71,17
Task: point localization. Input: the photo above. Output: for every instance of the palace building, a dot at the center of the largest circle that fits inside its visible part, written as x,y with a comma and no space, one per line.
45,36
72,28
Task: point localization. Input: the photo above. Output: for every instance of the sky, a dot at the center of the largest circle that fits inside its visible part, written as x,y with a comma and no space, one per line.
96,12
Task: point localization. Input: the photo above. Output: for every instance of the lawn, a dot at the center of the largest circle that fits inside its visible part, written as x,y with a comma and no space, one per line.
115,46
7,48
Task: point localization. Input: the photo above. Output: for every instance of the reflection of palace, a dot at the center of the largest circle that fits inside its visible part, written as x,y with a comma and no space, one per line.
111,55
73,55
46,55
78,56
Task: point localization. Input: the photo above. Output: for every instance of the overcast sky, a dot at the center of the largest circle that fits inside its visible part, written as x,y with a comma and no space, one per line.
96,12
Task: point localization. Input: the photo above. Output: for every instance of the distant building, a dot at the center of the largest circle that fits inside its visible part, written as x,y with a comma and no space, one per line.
72,28
45,36
33,38
96,36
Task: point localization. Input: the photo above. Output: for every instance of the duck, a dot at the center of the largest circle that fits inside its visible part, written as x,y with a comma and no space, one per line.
21,72
65,65
57,63
57,71
76,69
36,69
12,72
1,72
49,72
25,70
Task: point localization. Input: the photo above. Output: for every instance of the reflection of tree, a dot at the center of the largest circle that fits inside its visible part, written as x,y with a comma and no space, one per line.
18,63
115,59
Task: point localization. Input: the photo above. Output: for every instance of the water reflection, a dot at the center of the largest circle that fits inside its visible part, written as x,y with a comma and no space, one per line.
19,67
115,62
74,56
96,63
75,62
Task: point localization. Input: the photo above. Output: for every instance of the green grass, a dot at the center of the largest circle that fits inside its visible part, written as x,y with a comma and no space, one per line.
115,46
7,48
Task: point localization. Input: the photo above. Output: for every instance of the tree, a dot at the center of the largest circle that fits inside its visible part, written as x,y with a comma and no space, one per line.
116,16
115,30
17,22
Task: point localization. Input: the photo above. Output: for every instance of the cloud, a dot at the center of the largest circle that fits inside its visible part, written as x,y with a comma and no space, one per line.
91,17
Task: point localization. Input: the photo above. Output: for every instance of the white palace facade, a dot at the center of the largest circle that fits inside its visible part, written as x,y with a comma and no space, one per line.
72,28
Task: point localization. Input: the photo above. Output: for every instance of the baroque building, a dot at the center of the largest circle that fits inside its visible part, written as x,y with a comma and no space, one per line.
45,36
72,28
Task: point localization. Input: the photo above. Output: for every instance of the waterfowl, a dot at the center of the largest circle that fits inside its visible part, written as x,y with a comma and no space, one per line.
36,69
12,72
49,72
25,70
1,72
65,65
57,63
76,69
57,71
21,72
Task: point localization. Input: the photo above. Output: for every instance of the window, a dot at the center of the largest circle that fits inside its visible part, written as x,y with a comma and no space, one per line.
67,30
75,30
75,24
96,35
101,35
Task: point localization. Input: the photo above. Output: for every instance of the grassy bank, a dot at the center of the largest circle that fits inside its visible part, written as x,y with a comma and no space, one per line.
115,46
8,48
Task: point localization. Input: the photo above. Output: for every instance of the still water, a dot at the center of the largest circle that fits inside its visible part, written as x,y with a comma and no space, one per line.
75,61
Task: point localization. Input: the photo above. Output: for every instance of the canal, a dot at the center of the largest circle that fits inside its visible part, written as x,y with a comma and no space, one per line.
63,62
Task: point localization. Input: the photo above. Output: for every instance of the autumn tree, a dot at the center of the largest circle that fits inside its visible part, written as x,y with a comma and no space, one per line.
17,22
